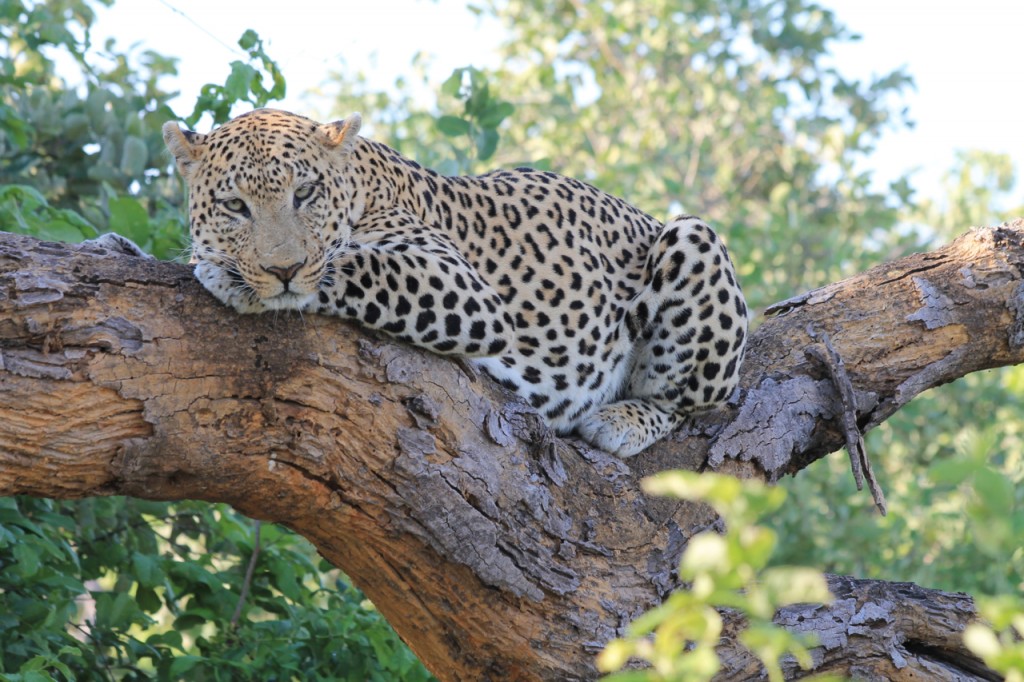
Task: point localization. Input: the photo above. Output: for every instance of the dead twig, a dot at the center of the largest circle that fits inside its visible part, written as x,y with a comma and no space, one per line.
826,354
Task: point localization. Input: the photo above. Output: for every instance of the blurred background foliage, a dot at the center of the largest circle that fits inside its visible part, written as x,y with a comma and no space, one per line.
722,108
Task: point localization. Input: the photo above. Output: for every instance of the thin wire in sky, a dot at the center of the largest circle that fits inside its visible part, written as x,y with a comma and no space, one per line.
202,28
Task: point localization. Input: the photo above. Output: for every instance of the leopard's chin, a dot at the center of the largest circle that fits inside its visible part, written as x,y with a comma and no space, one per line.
288,300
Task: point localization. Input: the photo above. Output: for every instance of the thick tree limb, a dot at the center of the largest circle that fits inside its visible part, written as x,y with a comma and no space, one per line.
497,551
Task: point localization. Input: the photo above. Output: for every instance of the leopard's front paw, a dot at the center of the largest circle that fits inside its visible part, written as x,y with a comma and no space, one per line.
627,427
612,436
118,244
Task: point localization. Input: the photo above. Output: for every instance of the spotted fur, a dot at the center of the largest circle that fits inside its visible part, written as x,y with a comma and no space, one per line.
608,322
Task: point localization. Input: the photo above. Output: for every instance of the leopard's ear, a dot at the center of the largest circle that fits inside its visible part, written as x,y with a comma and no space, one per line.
185,146
342,135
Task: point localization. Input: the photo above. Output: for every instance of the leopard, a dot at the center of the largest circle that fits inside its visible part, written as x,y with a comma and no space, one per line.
612,325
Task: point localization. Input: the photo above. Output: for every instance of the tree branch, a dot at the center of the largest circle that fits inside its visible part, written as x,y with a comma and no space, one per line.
496,550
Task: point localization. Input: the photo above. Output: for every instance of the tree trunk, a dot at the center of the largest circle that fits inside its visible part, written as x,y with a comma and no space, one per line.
496,550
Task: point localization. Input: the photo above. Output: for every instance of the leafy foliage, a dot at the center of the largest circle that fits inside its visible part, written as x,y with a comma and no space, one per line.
128,589
728,569
243,84
24,209
461,137
482,114
92,154
1000,643
977,191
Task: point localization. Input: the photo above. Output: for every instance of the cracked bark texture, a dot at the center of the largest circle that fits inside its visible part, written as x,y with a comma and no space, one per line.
496,550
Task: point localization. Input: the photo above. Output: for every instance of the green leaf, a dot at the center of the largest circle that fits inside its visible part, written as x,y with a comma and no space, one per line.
495,114
26,559
36,667
791,585
147,569
68,583
486,143
34,613
61,231
995,491
134,156
96,107
707,552
193,618
182,664
170,638
453,84
12,126
121,610
479,97
952,471
249,40
237,85
74,652
615,655
285,578
453,126
148,599
76,221
29,197
129,219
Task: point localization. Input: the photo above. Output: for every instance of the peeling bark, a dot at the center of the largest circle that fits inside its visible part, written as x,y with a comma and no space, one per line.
496,550
879,632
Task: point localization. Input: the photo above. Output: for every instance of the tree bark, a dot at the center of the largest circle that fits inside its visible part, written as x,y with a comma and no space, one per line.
496,550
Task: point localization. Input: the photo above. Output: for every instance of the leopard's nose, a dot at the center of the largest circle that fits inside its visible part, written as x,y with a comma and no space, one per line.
284,273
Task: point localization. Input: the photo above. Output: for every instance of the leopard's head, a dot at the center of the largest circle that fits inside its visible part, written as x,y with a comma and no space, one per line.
269,205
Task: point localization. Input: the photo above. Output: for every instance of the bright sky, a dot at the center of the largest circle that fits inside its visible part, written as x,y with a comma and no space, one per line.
965,57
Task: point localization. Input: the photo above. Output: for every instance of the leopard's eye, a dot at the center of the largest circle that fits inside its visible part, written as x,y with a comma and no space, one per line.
236,206
304,192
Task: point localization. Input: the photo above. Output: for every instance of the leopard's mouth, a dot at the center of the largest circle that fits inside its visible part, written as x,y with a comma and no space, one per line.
287,300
